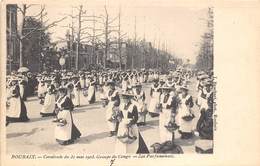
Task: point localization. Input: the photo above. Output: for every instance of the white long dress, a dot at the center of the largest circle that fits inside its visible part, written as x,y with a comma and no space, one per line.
140,104
184,110
155,99
124,85
110,109
165,118
49,104
42,88
14,110
82,82
63,133
123,148
76,92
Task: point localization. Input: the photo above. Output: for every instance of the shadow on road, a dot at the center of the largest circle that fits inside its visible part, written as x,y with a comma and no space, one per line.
153,122
27,134
78,110
146,127
186,142
89,138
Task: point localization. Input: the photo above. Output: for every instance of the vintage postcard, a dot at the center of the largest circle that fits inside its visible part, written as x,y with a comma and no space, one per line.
113,82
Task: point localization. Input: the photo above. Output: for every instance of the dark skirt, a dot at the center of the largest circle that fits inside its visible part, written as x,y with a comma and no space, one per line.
142,146
23,115
75,133
47,114
93,98
153,115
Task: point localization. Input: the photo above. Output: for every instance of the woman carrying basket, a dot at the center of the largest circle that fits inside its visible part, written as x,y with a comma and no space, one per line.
129,139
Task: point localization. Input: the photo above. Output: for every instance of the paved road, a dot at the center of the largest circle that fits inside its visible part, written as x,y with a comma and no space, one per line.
37,135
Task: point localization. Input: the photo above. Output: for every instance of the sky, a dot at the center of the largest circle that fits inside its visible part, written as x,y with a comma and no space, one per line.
180,27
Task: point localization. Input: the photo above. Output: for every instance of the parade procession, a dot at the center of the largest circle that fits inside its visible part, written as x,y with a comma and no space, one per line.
130,100
116,96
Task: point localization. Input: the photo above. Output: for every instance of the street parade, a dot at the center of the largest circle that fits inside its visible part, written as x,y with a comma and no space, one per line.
108,78
123,96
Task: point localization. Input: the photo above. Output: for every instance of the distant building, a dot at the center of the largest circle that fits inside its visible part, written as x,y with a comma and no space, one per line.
11,38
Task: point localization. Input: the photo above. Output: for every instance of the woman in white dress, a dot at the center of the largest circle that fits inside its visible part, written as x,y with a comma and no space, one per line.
125,83
91,92
76,92
65,130
112,108
139,101
17,111
82,80
165,114
49,102
22,87
42,89
129,139
155,98
185,114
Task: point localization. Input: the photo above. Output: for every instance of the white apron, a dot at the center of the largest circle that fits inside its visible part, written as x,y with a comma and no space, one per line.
82,82
103,95
154,101
109,112
14,110
63,132
141,106
49,104
76,98
183,110
124,85
164,119
122,148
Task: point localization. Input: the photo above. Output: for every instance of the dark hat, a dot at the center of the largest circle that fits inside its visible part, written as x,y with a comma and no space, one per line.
127,95
63,89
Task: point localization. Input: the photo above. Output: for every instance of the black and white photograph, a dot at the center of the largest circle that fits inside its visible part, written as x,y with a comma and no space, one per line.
109,77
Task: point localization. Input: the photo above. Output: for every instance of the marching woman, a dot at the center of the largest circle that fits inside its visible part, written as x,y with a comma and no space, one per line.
65,131
185,114
204,94
76,92
112,108
82,80
155,98
125,83
22,87
49,102
139,101
91,91
129,139
104,93
168,104
17,111
42,89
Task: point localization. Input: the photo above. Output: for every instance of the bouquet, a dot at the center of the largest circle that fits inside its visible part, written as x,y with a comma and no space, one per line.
116,116
61,122
104,102
85,92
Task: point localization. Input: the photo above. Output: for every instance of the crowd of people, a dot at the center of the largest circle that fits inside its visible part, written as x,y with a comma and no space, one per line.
123,96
